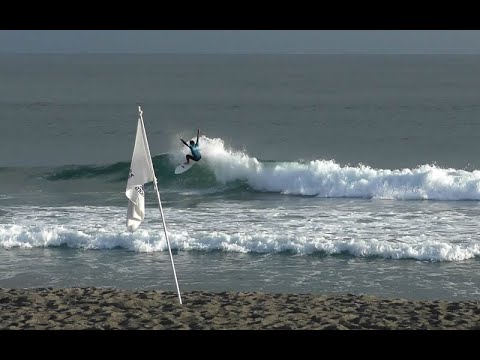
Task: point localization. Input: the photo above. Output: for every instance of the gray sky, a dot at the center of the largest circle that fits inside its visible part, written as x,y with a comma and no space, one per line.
242,41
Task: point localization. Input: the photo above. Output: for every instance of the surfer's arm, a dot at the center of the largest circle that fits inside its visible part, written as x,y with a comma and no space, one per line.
198,134
183,141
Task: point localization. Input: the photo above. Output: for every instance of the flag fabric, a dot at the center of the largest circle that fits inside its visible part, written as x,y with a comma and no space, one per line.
141,172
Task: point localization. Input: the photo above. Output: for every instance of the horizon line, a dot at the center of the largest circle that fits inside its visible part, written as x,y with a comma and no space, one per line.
231,53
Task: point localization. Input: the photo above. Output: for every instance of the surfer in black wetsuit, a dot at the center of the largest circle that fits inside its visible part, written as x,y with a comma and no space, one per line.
194,148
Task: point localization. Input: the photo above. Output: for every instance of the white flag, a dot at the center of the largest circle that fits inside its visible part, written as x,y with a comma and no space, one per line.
141,172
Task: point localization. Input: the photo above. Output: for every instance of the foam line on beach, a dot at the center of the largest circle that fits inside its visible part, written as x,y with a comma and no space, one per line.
17,236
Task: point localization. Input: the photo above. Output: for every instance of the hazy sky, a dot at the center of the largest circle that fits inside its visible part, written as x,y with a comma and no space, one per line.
242,41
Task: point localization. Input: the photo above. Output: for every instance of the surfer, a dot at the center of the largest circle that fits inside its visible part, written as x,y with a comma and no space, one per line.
194,148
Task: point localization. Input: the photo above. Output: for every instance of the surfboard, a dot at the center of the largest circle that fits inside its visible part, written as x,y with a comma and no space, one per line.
184,167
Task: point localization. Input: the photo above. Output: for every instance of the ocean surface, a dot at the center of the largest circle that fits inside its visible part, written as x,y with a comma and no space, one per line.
320,173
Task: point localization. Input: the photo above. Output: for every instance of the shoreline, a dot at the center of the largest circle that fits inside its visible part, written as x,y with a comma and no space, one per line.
109,308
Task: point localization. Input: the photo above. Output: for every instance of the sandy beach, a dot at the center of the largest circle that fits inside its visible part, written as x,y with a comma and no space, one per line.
106,308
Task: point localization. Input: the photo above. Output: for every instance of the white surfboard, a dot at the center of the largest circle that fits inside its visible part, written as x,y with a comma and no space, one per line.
184,167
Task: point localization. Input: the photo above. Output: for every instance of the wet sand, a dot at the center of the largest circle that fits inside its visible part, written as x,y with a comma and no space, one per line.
106,308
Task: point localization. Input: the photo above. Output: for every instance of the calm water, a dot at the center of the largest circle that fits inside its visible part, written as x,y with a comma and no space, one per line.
320,174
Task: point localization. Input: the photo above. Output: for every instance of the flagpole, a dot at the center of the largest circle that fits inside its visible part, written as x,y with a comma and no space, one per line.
166,237
163,218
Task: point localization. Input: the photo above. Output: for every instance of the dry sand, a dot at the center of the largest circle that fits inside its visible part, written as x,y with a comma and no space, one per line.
106,308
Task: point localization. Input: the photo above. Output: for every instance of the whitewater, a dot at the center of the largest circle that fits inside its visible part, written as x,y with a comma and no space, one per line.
326,178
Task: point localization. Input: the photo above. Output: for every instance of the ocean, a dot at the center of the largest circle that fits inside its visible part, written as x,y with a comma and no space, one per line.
323,174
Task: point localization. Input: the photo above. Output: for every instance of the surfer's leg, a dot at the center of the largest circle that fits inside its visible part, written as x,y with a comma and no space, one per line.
188,158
